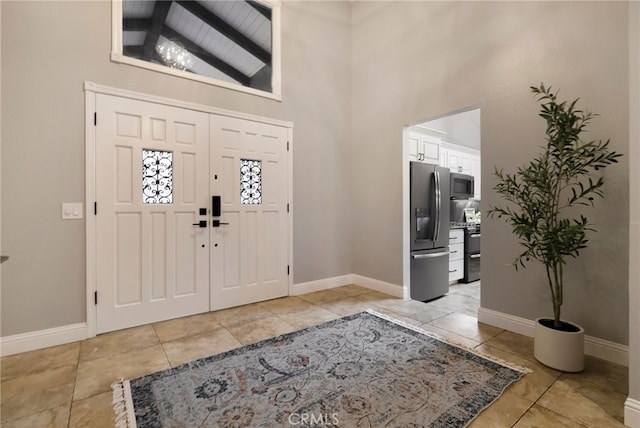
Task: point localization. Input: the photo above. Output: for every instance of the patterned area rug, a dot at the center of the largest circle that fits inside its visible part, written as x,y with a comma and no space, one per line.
363,370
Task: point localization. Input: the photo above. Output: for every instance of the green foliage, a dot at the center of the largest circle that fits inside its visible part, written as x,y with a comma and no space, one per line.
539,193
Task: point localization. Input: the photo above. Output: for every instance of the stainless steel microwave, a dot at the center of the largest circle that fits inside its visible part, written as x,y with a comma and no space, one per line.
461,186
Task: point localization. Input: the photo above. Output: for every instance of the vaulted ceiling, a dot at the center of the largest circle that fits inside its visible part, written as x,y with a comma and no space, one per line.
222,39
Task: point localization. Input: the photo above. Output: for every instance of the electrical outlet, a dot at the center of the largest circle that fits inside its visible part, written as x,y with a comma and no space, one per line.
72,211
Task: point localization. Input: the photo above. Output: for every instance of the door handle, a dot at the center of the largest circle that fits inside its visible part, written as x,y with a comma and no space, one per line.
216,206
436,227
429,256
217,223
474,256
201,223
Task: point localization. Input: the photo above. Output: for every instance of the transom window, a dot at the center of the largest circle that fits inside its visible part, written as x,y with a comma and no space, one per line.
229,43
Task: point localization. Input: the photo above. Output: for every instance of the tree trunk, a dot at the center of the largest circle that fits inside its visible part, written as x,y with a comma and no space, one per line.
557,295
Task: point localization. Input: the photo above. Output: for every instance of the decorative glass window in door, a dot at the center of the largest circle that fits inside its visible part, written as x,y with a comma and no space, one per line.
250,182
157,177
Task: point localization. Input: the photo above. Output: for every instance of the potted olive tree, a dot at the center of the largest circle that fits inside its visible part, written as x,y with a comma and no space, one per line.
541,199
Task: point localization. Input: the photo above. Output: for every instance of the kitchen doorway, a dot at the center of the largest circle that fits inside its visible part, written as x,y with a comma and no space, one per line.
453,141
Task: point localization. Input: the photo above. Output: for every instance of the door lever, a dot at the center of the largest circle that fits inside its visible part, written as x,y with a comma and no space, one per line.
217,223
201,223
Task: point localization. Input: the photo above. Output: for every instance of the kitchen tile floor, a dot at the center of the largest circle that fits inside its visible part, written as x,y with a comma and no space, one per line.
69,385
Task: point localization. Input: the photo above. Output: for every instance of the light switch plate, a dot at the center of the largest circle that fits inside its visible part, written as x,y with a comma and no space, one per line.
72,211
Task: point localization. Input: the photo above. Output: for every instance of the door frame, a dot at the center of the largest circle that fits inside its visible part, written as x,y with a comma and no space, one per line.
91,90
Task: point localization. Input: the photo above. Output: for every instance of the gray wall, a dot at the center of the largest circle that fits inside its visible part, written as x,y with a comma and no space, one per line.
50,48
353,75
416,60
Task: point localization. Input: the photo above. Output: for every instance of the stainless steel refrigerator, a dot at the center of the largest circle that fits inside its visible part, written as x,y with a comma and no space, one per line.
430,193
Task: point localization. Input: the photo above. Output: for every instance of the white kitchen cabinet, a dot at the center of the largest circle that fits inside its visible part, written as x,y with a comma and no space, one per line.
475,171
414,142
423,148
456,254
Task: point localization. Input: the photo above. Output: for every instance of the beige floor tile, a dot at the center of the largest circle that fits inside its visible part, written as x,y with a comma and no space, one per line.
96,411
195,347
513,343
179,328
562,399
609,400
600,373
467,326
539,417
351,290
324,296
504,412
373,299
96,376
347,306
257,330
450,336
241,313
381,299
34,393
418,311
51,418
533,385
37,361
309,317
286,305
118,342
398,316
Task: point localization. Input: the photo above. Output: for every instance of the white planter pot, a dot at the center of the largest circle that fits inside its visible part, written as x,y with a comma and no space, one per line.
558,349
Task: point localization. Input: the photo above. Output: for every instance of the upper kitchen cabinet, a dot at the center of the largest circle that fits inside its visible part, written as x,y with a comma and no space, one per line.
424,148
463,160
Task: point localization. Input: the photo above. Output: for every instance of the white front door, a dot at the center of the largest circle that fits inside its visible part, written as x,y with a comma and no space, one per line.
152,165
157,170
249,250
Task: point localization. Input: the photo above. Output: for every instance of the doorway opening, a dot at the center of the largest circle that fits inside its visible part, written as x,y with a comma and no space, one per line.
451,141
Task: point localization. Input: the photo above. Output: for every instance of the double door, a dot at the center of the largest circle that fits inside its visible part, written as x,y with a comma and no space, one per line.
191,212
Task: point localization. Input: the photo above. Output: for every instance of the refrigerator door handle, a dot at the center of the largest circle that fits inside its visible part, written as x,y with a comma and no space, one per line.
436,226
430,256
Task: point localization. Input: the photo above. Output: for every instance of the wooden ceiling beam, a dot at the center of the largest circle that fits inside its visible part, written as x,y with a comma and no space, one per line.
264,10
138,52
137,24
227,30
158,18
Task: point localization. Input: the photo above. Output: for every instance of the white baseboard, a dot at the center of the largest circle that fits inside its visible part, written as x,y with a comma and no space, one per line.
507,322
40,339
593,346
339,281
321,284
632,413
377,285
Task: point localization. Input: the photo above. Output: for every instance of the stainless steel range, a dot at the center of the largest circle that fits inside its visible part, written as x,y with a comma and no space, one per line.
471,252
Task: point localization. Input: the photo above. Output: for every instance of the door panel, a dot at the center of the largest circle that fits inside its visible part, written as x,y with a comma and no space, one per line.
249,263
151,262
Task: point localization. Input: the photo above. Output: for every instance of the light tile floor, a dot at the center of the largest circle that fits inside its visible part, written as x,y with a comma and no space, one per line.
69,385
